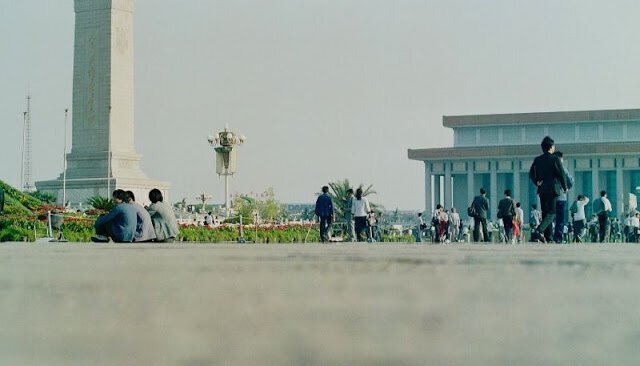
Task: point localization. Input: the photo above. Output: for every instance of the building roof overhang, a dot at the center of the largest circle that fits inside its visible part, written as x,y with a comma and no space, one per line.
580,149
613,115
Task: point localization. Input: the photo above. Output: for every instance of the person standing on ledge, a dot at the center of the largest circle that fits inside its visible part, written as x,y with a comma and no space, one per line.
324,210
545,172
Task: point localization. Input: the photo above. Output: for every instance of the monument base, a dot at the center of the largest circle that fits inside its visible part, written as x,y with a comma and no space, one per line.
79,190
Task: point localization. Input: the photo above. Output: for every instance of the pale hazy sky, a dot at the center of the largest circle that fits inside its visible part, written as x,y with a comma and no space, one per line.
323,90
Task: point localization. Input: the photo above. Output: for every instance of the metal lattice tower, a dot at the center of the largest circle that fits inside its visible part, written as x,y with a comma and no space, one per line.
27,181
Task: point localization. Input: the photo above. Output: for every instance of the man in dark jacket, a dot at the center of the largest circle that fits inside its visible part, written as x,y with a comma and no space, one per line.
481,206
324,210
547,173
119,224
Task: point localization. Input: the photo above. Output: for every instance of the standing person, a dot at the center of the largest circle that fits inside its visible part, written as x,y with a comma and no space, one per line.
163,218
435,222
348,216
1,199
545,172
420,225
579,217
144,226
480,205
506,212
208,219
444,226
360,209
324,210
602,208
561,202
119,224
519,221
454,225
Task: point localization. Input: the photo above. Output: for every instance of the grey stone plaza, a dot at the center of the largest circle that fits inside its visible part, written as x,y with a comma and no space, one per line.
338,304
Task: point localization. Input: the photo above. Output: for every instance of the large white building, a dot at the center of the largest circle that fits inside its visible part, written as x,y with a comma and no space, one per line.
601,149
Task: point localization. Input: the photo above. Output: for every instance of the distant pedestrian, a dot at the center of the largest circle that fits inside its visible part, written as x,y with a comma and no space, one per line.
480,206
1,199
360,209
208,219
519,221
348,216
420,226
506,213
454,225
324,210
602,208
561,202
578,217
547,174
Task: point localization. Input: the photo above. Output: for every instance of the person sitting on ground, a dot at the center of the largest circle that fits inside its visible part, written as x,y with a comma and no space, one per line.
163,218
144,227
119,224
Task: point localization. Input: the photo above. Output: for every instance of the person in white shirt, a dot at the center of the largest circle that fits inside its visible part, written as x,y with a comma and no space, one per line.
579,218
634,228
454,225
602,207
360,209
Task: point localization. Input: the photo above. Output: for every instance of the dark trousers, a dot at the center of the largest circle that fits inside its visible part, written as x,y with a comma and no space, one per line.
360,223
508,227
603,220
561,207
548,208
325,225
578,226
477,223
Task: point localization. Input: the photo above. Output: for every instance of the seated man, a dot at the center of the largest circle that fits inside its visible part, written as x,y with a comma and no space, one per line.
144,226
119,224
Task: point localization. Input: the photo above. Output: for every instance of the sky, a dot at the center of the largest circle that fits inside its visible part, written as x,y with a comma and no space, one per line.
323,89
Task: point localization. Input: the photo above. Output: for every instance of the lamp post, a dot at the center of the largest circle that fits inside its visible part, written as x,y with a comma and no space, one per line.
64,166
223,143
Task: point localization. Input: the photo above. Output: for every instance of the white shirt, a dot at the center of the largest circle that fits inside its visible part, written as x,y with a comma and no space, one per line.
520,214
360,207
455,219
579,215
606,204
635,221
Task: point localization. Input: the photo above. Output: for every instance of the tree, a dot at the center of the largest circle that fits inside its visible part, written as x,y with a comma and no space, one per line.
265,204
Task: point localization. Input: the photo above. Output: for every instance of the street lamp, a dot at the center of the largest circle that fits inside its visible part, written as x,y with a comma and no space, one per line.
224,143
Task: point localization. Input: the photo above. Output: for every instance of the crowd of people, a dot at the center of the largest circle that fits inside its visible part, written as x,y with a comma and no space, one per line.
549,224
129,222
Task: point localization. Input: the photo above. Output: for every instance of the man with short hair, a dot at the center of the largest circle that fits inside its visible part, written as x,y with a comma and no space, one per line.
602,208
119,224
144,225
545,172
481,206
324,210
506,212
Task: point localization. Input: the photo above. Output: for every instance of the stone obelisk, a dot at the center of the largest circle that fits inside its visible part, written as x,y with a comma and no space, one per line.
103,156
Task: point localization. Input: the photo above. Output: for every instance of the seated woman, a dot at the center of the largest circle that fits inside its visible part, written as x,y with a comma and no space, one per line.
162,217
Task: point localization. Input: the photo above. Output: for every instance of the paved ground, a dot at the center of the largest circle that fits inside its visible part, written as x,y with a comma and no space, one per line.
366,304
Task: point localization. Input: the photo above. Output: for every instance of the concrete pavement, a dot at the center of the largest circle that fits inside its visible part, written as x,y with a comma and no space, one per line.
336,304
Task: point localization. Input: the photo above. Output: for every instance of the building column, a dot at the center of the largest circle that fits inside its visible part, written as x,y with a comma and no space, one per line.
427,189
571,194
470,180
595,179
620,199
448,196
516,181
493,191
